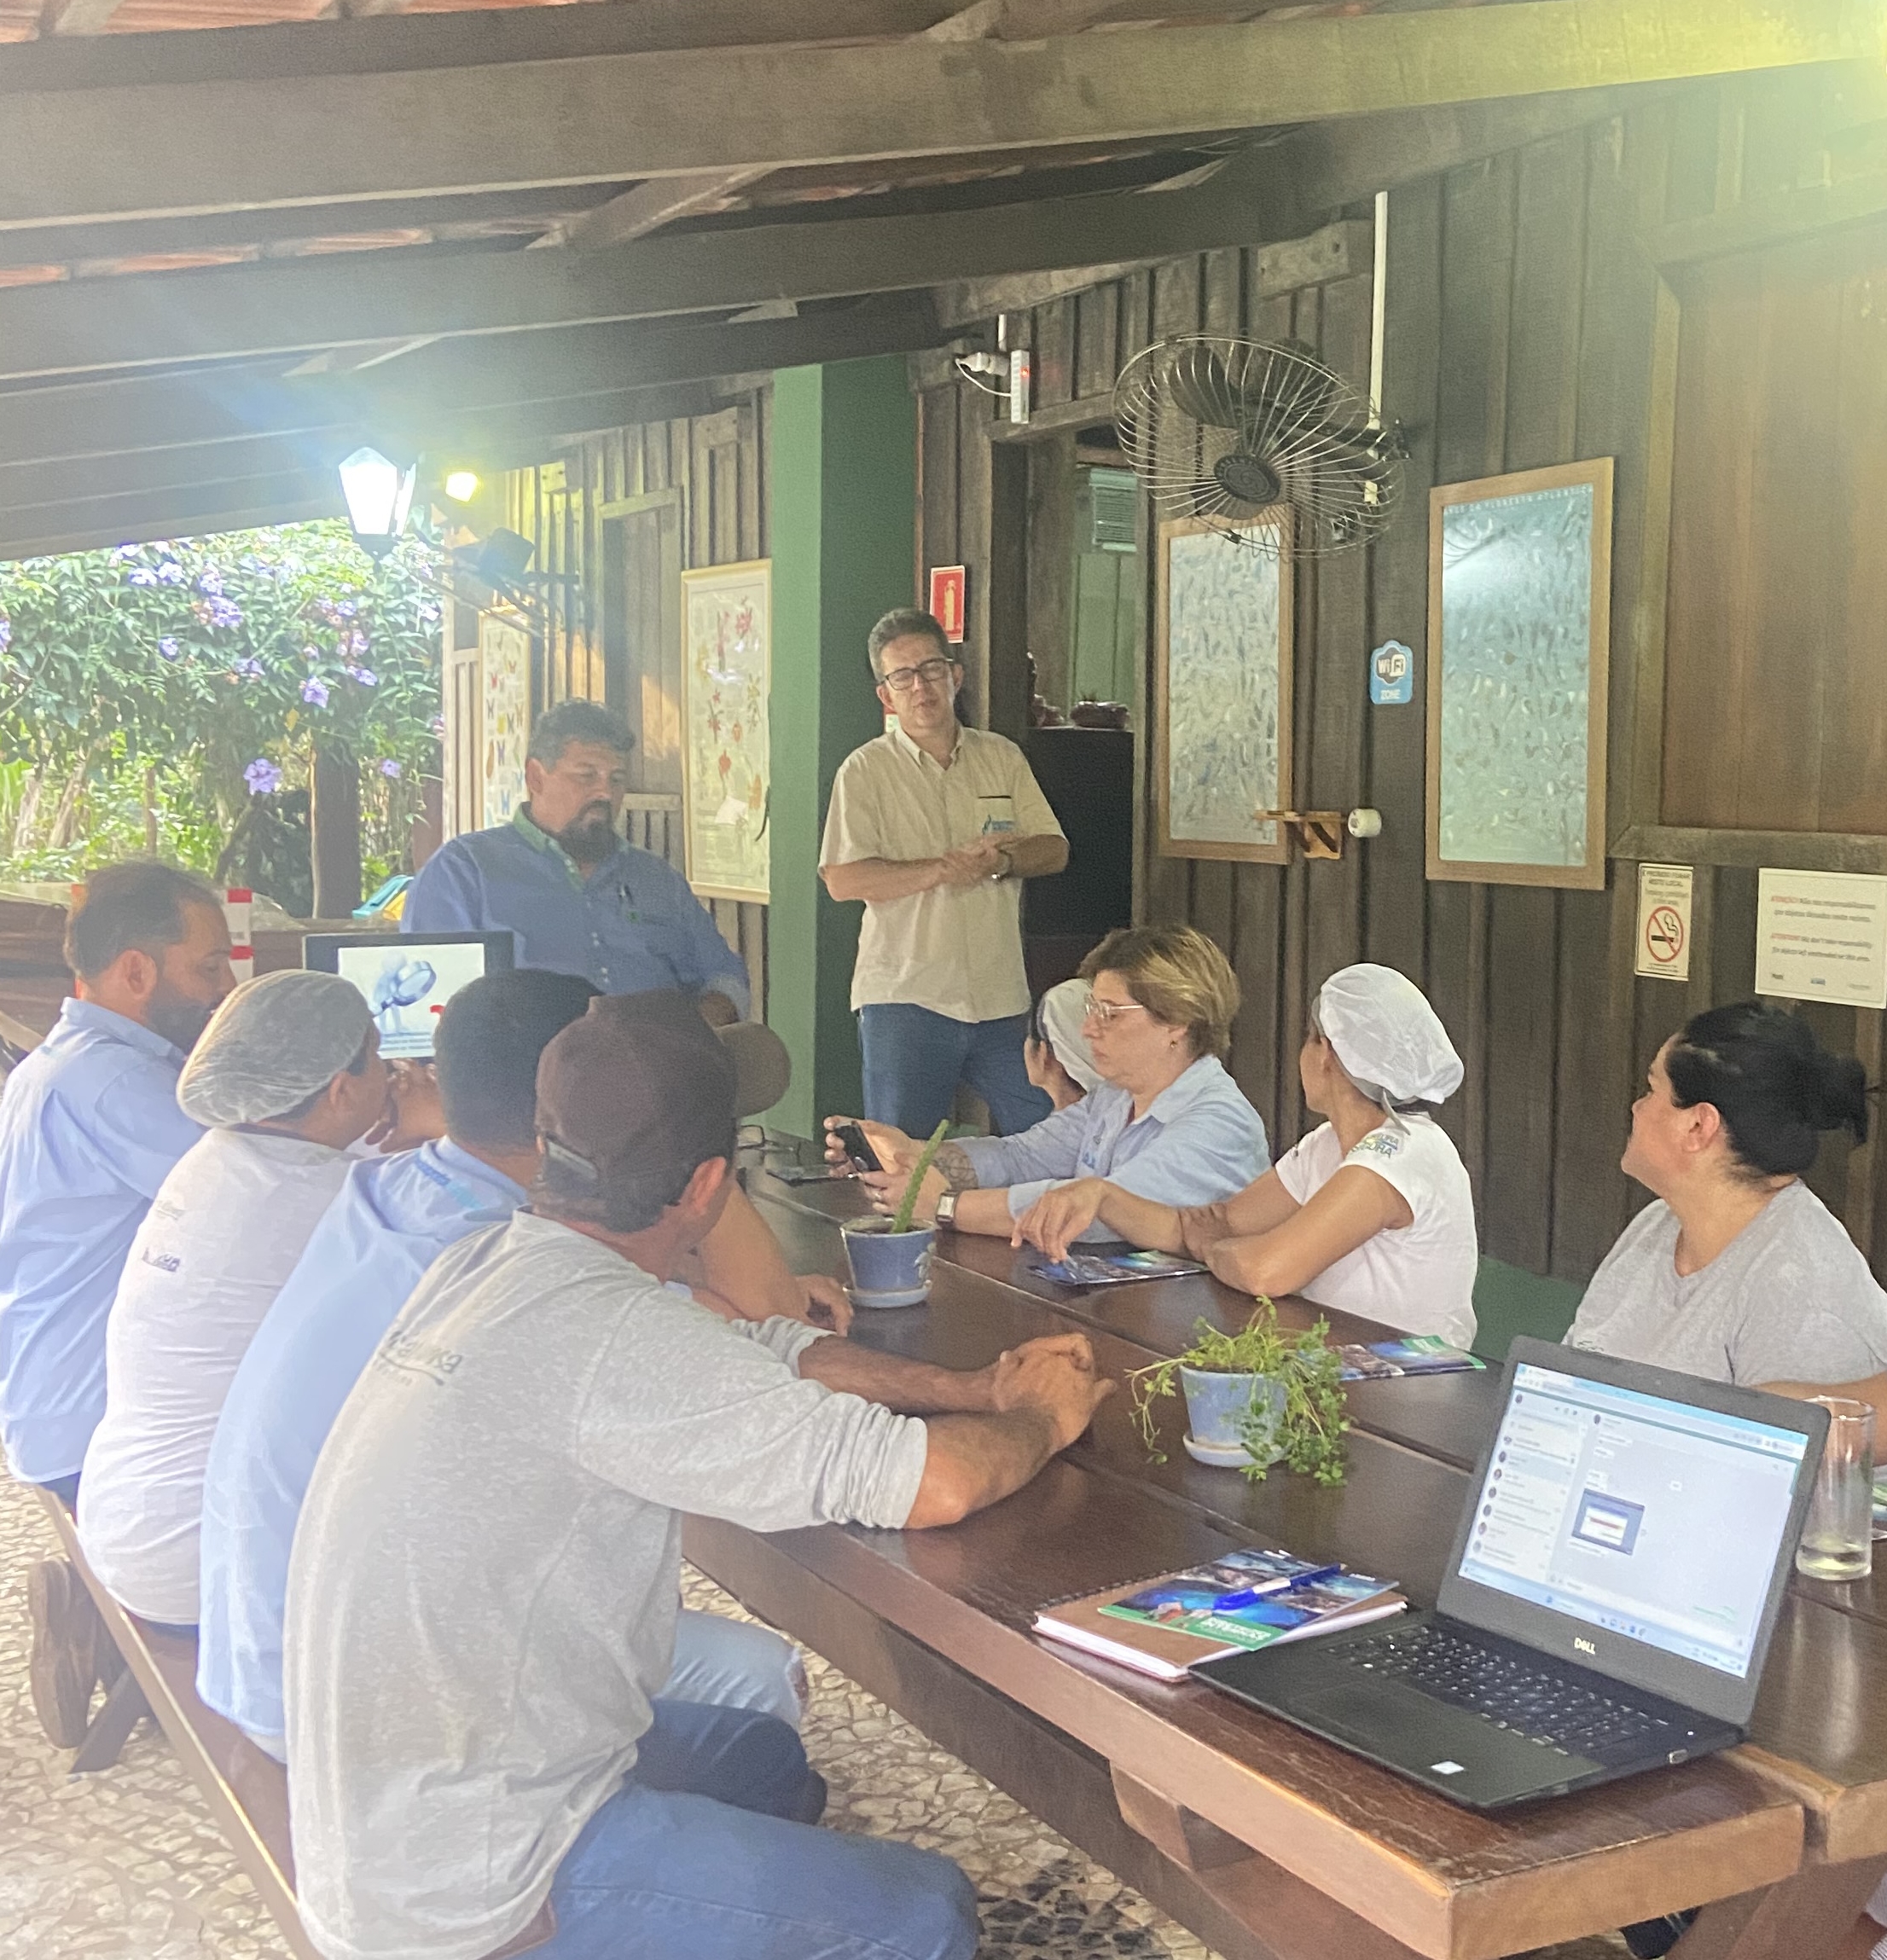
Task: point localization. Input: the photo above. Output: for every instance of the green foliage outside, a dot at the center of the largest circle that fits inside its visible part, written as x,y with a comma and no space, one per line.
148,694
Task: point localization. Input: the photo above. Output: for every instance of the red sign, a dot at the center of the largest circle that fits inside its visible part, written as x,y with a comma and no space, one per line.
948,592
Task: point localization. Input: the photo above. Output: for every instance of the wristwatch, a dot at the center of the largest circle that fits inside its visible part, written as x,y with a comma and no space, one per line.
946,1208
1009,865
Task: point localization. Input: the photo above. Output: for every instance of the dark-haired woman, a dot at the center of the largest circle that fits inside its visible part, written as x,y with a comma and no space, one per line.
1739,1273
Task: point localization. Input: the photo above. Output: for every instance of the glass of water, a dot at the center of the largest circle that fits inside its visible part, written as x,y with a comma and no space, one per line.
1837,1540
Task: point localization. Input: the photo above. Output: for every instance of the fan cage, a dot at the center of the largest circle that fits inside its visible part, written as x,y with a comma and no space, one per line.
1187,404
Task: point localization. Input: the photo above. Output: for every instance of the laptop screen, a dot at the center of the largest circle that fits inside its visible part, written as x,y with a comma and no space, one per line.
1652,1519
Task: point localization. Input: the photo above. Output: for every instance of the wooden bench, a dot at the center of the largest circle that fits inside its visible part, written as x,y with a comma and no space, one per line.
246,1790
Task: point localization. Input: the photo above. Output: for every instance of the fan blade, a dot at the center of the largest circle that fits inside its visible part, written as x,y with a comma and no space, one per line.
1199,386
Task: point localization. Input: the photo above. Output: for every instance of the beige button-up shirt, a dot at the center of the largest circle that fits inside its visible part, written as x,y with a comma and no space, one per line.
956,950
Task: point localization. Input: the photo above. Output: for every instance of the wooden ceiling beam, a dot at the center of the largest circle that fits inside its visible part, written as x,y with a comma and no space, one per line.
89,525
481,38
162,148
131,237
304,304
78,16
467,392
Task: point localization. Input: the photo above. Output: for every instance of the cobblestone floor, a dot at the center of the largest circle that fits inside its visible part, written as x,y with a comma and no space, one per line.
127,1865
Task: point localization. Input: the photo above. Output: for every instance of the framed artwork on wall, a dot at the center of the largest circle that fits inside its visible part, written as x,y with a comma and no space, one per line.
1519,585
504,716
1221,686
727,661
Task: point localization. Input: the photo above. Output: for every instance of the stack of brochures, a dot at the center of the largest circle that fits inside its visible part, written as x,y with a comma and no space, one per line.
1244,1601
1413,1354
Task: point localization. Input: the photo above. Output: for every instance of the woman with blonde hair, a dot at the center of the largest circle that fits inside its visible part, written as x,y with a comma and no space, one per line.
1372,1212
1165,1122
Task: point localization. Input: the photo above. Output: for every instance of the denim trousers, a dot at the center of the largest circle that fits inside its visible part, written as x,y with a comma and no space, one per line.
914,1059
703,1854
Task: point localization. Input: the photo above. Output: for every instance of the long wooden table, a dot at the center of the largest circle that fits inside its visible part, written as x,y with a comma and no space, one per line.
1270,1844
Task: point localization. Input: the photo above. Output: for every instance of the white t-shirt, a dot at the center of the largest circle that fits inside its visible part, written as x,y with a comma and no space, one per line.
221,1237
1420,1278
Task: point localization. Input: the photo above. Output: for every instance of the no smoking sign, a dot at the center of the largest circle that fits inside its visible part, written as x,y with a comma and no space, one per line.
1664,921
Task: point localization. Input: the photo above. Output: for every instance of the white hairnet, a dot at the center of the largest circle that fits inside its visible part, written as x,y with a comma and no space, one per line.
1391,1043
1063,1010
275,1040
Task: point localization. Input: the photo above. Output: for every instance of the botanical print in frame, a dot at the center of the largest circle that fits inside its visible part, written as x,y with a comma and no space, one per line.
1221,685
504,662
726,656
1520,639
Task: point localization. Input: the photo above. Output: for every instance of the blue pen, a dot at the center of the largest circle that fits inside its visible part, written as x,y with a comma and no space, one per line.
1228,1602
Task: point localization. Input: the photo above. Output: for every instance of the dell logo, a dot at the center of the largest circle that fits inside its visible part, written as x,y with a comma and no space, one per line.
1584,1647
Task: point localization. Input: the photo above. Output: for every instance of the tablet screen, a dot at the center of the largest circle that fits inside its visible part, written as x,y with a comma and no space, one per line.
408,985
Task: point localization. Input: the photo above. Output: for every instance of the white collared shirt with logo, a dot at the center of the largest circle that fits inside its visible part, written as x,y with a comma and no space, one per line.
956,950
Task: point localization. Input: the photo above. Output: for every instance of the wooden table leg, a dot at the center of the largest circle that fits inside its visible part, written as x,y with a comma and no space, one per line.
110,1729
1803,1918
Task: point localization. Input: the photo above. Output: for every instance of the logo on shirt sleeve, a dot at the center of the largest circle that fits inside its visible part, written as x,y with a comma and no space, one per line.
1384,1144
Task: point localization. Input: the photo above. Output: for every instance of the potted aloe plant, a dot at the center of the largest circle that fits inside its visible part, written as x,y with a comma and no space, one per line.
1260,1396
891,1258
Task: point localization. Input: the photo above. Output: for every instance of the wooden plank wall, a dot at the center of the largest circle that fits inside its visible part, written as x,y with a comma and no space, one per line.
1524,318
715,462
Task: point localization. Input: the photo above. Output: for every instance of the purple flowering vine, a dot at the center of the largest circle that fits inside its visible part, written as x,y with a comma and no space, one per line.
6,633
209,582
262,777
314,692
168,646
389,768
247,670
141,575
171,573
364,676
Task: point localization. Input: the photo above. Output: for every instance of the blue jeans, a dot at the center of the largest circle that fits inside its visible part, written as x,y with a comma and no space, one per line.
703,1854
914,1060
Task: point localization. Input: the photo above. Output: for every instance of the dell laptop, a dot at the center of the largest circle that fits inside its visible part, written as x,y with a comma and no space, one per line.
1608,1602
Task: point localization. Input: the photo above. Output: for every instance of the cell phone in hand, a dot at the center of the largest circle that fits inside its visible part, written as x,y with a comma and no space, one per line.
851,1140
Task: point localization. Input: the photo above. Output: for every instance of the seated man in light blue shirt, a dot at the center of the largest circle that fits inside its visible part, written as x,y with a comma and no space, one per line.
89,1129
392,1218
1164,1119
577,899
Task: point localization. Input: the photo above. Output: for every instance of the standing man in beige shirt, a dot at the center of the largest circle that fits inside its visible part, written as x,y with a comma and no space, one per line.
934,825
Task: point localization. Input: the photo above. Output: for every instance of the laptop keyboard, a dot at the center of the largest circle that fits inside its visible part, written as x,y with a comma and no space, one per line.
1559,1710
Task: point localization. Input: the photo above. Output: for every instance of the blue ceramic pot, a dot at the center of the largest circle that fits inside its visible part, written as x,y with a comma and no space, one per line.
1217,1410
889,1268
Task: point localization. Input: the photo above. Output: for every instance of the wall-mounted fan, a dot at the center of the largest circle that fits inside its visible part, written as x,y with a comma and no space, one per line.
1222,428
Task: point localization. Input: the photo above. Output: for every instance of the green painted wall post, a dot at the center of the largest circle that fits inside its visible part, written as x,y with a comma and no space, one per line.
843,478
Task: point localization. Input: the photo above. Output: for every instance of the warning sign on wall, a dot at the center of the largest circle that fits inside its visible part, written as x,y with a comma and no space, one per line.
1664,921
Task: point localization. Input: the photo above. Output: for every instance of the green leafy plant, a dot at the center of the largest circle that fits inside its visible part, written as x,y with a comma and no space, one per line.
907,1207
1311,1428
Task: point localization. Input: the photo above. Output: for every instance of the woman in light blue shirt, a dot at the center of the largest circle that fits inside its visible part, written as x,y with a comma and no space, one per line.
1165,1122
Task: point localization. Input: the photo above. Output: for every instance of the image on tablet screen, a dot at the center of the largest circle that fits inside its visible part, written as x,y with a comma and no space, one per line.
406,987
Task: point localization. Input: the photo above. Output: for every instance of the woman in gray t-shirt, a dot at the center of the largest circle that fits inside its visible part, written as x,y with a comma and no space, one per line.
1739,1273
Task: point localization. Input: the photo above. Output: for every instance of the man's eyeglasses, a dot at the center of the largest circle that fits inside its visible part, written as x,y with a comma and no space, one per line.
1105,1011
902,679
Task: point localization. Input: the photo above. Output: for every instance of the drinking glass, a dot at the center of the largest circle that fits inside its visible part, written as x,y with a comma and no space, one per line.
1837,1538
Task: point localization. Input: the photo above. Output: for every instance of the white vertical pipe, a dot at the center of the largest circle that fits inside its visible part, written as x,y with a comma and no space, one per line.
1378,303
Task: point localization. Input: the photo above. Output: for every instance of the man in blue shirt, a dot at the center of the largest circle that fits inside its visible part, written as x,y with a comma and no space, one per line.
90,1128
577,898
392,1218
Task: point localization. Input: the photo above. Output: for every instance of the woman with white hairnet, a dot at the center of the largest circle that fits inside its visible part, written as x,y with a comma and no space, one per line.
1060,1062
1372,1212
286,1076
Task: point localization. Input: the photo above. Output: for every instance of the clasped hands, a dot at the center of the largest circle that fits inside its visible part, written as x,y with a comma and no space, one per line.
970,864
1054,1376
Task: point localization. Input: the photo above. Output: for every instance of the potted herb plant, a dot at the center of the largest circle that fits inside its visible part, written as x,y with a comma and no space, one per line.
891,1258
1260,1396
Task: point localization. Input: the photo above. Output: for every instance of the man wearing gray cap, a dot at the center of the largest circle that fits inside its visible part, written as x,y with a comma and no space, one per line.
482,1595
286,1074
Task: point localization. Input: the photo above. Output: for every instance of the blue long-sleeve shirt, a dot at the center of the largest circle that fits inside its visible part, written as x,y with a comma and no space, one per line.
1199,1141
631,926
89,1129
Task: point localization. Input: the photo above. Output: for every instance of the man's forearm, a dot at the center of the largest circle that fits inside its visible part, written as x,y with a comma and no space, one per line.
1035,856
878,880
977,1460
909,1387
741,1261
